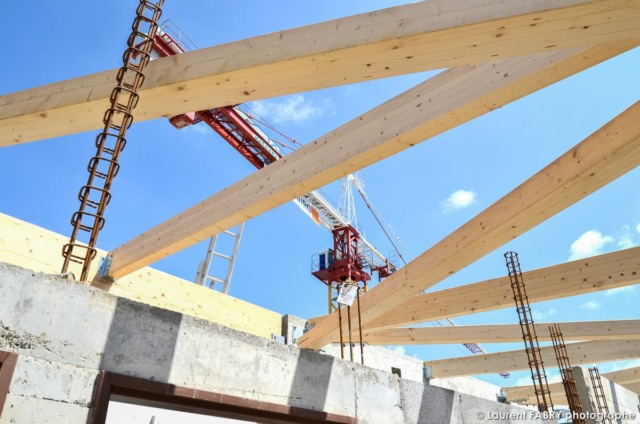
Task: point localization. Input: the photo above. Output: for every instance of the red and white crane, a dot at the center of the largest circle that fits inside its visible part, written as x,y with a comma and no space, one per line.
243,132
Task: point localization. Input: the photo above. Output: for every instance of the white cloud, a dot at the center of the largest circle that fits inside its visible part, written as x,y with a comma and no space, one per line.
625,289
638,228
459,199
201,129
627,238
588,244
292,109
591,305
538,315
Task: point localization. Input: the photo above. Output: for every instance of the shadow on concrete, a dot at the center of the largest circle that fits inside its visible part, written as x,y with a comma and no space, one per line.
614,399
310,383
142,341
436,405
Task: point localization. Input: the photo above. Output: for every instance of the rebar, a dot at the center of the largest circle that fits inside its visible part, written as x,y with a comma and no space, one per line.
529,336
598,391
566,372
360,330
103,167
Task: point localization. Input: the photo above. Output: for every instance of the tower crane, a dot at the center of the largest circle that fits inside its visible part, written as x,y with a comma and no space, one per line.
243,132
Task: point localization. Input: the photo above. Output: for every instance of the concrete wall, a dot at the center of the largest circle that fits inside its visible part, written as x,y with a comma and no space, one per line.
382,359
619,399
65,332
468,385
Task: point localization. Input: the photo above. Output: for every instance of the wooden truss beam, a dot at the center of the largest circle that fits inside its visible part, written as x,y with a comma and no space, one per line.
634,387
505,333
602,157
432,34
523,394
624,377
588,275
579,353
440,103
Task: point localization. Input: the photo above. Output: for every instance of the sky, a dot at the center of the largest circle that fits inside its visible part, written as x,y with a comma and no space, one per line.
425,192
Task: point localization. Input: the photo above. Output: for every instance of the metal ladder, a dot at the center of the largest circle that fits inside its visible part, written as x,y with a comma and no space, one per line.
204,268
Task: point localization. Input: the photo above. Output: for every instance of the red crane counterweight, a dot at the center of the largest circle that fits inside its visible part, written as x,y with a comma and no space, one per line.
343,263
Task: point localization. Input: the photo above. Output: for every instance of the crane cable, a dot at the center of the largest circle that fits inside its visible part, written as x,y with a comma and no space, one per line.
373,212
254,115
380,220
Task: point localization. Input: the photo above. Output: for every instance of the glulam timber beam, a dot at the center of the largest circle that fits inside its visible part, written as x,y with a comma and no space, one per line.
524,394
527,396
504,333
440,103
634,387
605,155
579,353
432,34
625,376
602,272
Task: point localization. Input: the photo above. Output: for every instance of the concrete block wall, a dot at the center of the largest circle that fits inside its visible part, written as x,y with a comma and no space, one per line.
66,332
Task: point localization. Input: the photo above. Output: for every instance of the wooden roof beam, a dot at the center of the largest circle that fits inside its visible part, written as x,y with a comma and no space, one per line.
623,377
431,34
515,360
505,333
602,157
602,272
634,387
440,103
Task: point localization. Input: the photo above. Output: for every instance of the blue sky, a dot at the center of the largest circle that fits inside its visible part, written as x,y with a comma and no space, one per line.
424,193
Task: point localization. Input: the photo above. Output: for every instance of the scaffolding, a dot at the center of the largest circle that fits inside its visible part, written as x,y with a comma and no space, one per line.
568,379
529,336
598,391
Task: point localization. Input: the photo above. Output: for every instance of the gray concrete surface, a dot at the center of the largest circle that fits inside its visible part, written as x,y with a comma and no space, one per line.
619,399
429,404
65,332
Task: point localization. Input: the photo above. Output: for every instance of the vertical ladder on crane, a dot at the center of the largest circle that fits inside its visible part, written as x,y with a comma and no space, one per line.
203,276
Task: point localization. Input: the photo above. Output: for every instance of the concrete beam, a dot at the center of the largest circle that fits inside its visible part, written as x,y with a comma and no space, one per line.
432,34
36,248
